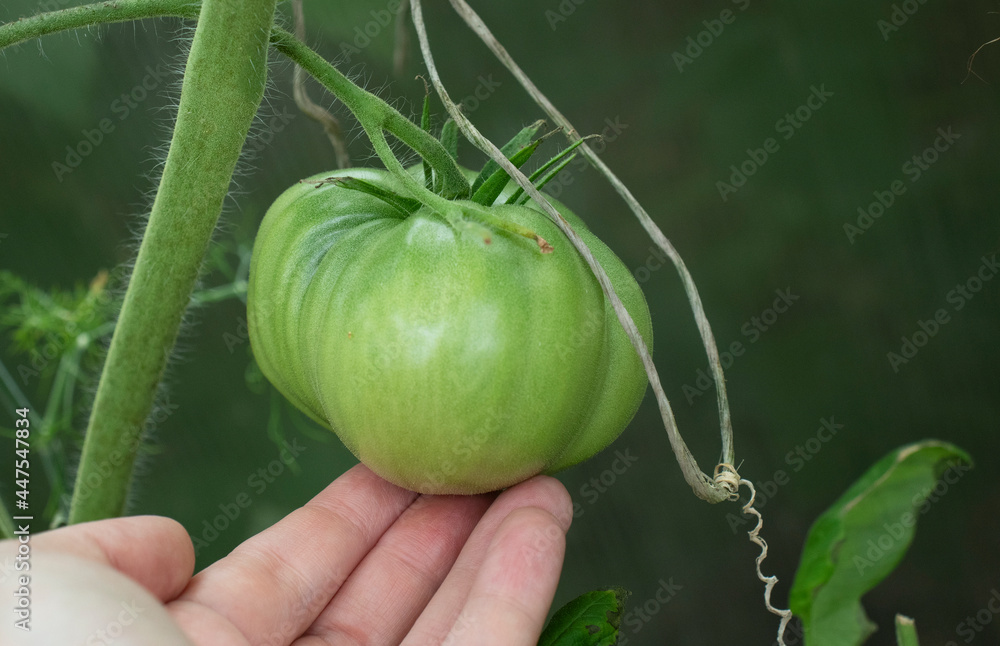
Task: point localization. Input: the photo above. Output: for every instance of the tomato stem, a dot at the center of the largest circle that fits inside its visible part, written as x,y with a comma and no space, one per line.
223,86
374,114
19,31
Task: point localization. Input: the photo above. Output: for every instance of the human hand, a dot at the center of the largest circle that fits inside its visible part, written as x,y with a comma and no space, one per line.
364,562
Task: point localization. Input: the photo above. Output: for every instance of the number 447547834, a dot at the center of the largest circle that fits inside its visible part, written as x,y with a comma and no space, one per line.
22,433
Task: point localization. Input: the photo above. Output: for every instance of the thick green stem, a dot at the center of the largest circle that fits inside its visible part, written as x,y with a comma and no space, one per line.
43,24
374,114
223,86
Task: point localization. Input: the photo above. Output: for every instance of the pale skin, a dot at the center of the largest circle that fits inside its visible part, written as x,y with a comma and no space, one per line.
364,562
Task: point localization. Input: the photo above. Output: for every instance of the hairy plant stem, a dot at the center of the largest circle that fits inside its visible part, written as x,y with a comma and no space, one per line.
375,115
19,31
223,85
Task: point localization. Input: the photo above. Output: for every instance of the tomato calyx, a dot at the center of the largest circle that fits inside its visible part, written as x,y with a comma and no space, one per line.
472,215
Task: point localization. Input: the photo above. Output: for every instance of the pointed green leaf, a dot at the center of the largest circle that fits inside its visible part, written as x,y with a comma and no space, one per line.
491,189
592,619
519,141
405,205
564,157
540,184
449,138
858,541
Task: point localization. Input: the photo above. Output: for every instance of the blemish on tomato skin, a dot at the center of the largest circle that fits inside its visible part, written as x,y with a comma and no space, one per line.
350,335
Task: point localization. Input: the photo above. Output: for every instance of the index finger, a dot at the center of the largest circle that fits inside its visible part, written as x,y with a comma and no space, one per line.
273,585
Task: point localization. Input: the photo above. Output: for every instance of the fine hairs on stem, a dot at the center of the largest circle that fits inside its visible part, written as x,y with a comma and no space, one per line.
725,485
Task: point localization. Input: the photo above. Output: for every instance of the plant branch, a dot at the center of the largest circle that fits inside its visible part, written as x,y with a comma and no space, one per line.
374,113
13,33
223,85
704,486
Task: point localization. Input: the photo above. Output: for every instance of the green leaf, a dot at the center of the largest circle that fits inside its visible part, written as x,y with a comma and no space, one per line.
449,138
406,205
906,631
491,189
858,541
592,619
519,141
563,158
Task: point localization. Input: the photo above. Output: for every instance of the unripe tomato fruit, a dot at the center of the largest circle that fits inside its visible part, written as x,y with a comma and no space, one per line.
446,365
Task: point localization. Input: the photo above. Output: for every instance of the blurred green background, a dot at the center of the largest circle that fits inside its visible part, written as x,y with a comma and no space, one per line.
685,114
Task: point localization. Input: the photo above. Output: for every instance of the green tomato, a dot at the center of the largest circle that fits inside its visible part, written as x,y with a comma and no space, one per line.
446,365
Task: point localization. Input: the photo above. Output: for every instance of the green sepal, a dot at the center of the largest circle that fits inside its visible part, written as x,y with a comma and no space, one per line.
406,205
519,141
449,138
548,178
592,619
425,125
563,158
491,189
